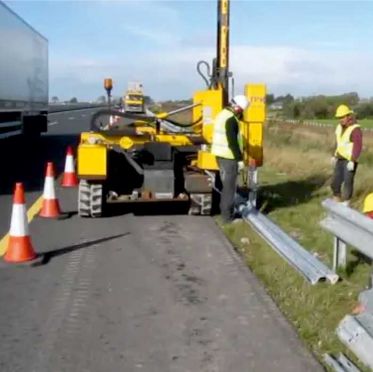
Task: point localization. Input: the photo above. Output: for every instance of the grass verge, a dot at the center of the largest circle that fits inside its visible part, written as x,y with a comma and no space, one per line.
294,181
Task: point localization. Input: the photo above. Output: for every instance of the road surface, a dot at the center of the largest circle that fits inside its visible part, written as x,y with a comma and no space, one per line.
130,292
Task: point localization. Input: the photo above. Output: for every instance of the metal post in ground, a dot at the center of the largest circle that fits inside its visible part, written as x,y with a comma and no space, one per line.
340,254
253,185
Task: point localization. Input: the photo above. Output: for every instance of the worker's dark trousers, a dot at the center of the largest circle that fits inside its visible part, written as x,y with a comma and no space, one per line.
228,175
344,177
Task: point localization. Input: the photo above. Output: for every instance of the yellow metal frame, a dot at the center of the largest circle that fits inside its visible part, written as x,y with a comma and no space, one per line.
127,142
137,98
251,126
210,104
92,151
133,101
206,160
92,161
253,122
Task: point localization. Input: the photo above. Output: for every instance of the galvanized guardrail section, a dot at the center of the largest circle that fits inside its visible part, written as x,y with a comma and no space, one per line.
340,363
348,226
297,256
356,332
312,123
351,227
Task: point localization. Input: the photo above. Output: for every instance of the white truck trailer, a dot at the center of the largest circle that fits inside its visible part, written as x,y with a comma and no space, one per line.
23,76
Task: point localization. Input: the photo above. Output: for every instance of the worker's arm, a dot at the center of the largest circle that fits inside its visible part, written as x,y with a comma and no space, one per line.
232,130
357,139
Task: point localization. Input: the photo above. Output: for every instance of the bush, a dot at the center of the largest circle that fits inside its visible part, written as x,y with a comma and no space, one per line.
319,107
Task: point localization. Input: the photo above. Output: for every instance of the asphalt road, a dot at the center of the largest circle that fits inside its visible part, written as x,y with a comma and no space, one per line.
131,292
25,161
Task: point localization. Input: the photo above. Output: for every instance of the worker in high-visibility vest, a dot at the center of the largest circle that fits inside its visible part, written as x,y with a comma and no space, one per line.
349,140
227,147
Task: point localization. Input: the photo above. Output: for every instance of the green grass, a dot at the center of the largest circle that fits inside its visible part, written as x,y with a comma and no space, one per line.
291,196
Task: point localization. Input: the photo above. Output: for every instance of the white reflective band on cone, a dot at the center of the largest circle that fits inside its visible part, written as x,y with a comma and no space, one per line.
49,192
18,223
69,166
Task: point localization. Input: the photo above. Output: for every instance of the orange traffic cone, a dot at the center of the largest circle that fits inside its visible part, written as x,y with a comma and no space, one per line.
69,178
19,244
50,207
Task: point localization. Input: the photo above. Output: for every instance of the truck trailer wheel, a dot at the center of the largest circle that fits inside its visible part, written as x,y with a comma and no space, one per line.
90,199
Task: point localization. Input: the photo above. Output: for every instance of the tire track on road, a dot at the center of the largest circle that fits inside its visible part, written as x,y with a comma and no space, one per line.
66,317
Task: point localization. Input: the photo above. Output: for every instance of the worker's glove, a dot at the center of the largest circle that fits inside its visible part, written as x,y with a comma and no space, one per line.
241,165
333,161
350,166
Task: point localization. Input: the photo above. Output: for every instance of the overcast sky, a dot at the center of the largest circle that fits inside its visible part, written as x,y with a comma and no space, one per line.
297,47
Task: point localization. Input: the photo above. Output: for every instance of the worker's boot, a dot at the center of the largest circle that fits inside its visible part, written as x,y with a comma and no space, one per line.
346,203
337,198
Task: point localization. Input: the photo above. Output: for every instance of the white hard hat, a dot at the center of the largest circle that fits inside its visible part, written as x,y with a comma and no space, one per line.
240,101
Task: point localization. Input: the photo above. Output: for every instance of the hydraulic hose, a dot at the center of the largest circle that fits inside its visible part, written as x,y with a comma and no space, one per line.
150,120
182,125
203,76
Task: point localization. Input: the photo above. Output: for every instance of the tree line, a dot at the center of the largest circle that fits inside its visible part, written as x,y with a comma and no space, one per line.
318,107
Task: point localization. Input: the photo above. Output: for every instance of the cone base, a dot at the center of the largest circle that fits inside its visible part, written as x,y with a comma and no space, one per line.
19,250
50,209
69,180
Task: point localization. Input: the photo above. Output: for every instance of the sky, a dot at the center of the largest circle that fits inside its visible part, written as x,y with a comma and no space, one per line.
297,47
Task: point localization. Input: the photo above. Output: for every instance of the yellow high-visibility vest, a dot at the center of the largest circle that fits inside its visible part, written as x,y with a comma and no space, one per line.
344,143
220,145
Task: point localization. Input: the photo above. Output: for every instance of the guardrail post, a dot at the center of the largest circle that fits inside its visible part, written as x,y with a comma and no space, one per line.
349,227
253,185
339,254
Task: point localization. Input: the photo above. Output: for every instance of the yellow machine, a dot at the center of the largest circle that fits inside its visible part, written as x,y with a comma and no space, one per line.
133,99
146,159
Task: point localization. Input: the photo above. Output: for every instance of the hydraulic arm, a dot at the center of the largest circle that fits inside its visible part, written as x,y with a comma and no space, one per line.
222,52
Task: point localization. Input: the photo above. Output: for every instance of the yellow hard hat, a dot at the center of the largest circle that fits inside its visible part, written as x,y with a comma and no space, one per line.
368,203
343,110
